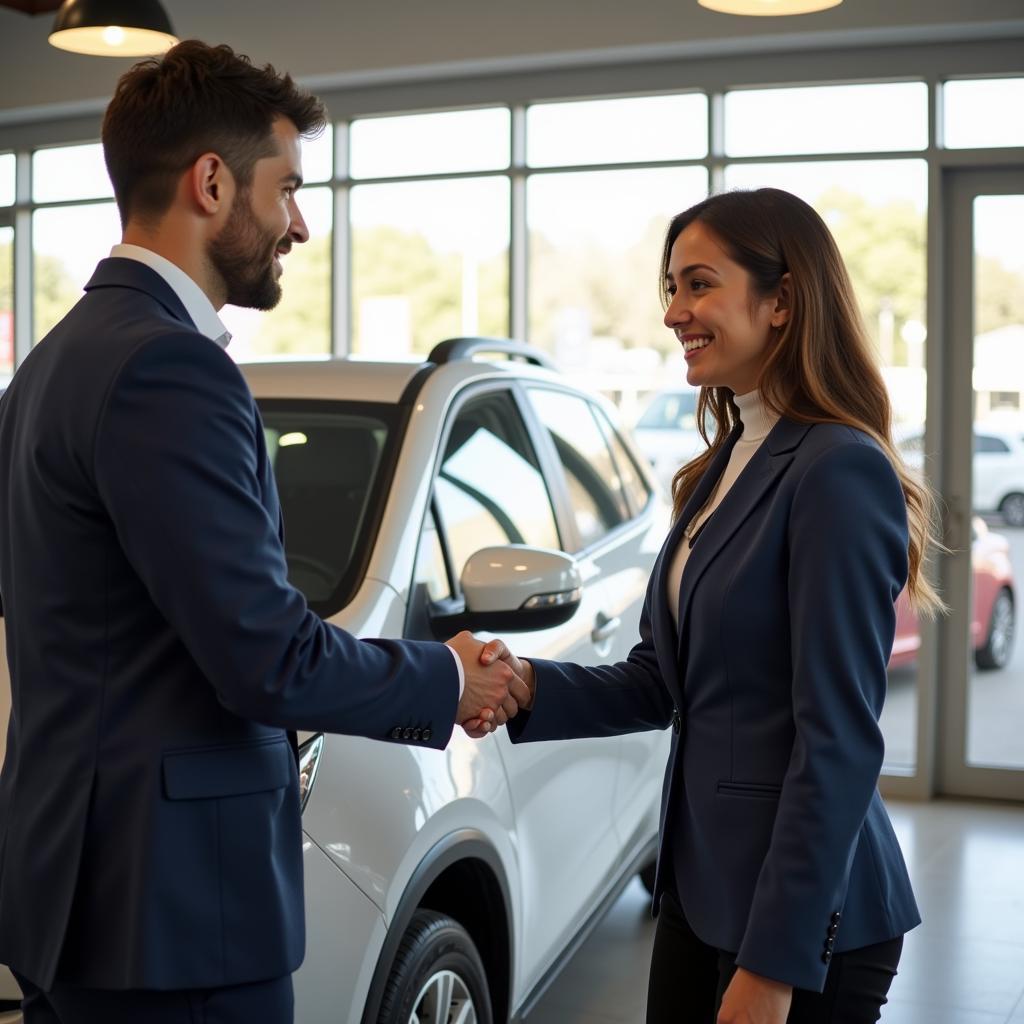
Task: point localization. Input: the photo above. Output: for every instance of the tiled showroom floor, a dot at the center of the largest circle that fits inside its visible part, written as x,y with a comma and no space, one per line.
964,965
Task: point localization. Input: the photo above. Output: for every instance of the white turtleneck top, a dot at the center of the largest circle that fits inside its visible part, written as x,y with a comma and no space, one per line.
757,421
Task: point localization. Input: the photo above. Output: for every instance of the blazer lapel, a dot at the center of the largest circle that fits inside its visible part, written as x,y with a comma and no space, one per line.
758,476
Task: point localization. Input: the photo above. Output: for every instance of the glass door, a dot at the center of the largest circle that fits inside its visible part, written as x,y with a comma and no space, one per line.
981,661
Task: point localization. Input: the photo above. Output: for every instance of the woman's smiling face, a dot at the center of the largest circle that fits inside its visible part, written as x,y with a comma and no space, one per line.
724,328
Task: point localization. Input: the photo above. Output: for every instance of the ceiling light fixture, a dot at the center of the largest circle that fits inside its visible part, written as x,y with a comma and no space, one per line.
113,28
768,8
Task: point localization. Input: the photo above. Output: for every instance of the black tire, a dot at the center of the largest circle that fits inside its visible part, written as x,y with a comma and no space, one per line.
437,972
646,875
1012,509
998,646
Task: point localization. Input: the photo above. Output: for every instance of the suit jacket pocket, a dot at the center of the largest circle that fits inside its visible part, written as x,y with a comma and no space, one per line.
750,790
228,771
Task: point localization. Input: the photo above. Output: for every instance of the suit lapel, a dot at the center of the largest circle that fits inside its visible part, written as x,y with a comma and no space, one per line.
768,463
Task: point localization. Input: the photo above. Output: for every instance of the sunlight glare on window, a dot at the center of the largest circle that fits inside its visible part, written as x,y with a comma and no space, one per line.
70,172
7,165
607,131
983,113
827,119
440,143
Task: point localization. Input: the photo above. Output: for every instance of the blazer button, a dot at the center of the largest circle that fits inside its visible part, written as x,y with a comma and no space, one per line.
836,917
829,943
426,735
832,929
826,957
396,733
407,733
416,733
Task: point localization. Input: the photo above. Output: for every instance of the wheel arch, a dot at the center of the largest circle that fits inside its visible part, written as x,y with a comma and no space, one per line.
461,876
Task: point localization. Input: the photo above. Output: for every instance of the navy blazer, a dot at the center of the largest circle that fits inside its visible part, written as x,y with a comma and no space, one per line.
772,829
150,834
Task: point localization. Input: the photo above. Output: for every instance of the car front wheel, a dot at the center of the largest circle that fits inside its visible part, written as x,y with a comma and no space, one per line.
999,639
1012,509
437,976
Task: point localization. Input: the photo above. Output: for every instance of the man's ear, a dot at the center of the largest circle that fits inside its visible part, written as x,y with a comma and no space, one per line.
211,184
783,301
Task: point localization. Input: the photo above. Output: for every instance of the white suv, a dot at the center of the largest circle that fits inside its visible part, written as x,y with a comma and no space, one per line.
419,500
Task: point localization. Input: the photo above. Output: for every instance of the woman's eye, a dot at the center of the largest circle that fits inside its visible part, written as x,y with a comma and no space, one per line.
697,285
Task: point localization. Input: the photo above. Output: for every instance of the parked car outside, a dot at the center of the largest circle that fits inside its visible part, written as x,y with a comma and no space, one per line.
997,467
419,500
666,431
993,607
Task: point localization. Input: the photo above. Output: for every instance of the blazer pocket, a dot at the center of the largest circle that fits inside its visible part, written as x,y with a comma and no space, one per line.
750,790
228,771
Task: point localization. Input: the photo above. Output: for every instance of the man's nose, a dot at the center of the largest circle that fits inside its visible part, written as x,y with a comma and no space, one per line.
297,230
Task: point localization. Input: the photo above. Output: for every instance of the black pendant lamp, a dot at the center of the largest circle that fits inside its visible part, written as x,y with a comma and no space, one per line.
113,28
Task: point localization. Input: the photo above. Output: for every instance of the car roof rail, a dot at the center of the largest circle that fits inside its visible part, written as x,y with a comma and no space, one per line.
464,348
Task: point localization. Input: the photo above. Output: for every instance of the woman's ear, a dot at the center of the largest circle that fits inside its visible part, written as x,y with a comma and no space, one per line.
783,301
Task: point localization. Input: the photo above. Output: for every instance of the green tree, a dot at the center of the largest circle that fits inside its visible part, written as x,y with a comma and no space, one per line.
999,299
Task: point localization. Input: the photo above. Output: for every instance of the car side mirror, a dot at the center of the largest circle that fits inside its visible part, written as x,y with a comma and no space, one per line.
513,589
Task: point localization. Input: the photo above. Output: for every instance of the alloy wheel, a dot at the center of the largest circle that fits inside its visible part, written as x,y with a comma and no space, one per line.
444,999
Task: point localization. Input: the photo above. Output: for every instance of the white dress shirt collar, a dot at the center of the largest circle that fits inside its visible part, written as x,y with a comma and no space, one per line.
193,298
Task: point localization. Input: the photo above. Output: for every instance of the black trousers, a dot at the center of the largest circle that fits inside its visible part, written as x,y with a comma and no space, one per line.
689,978
269,1002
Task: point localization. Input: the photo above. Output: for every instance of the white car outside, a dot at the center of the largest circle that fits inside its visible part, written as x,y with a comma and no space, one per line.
997,467
456,882
666,431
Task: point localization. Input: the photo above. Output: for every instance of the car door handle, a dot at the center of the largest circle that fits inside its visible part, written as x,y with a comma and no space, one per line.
605,629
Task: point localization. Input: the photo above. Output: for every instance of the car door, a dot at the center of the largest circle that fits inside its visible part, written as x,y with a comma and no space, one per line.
619,532
490,490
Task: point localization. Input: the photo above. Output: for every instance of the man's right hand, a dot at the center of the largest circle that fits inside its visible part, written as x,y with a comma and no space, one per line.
493,687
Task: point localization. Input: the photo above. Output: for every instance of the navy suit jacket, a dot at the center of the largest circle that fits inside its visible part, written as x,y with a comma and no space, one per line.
772,829
150,834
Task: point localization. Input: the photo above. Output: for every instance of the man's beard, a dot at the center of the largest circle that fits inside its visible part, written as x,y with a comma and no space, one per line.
243,255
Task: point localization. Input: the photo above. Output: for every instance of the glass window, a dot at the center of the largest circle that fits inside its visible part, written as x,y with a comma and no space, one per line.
429,262
67,243
983,112
318,157
431,570
490,490
7,170
70,172
327,466
6,301
595,488
300,324
595,244
827,119
459,140
633,484
610,131
877,211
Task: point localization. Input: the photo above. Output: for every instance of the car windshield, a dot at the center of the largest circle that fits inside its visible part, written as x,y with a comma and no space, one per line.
332,464
674,410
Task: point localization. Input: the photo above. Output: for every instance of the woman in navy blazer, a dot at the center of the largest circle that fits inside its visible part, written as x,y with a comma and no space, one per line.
768,624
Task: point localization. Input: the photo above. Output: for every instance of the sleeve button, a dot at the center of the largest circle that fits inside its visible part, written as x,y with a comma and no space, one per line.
396,733
407,733
426,735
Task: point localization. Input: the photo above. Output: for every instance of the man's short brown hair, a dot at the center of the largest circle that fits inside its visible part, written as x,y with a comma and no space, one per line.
167,111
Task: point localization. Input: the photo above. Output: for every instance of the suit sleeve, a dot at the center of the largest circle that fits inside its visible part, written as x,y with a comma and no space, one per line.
576,701
848,563
176,466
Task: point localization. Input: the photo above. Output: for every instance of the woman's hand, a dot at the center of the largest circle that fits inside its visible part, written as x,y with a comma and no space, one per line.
752,999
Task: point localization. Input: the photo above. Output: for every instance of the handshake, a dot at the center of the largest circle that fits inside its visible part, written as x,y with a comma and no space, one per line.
498,684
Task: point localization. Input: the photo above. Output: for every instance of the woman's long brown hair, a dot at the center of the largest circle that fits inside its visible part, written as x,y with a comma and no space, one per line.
820,367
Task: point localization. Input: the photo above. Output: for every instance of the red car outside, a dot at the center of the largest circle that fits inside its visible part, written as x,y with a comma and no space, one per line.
994,605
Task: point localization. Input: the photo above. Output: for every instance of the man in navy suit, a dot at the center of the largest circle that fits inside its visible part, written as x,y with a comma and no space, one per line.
150,852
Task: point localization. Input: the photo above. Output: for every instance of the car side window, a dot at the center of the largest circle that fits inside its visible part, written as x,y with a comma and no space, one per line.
987,443
431,568
596,490
490,489
633,484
